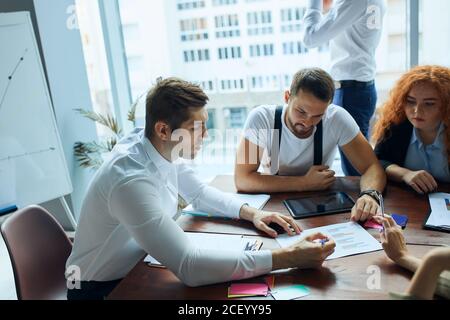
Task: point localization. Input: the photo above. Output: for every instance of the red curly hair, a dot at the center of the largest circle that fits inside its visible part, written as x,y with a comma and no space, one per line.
393,111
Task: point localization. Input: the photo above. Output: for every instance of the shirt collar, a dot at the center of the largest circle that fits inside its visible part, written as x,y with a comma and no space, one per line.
162,164
437,141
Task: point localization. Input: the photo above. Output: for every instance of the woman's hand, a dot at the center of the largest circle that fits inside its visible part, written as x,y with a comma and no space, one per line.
421,181
393,241
262,220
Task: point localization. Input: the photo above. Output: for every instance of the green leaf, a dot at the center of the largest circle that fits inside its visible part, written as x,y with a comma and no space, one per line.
108,121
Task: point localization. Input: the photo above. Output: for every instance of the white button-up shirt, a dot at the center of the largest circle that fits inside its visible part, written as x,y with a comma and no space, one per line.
128,212
354,29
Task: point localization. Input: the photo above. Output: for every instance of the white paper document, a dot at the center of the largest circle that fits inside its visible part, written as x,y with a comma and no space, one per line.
218,242
257,201
440,210
351,239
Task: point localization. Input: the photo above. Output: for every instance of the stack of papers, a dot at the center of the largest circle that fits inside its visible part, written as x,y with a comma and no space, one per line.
440,212
351,239
218,242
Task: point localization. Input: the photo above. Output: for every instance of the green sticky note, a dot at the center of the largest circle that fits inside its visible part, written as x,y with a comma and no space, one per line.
291,292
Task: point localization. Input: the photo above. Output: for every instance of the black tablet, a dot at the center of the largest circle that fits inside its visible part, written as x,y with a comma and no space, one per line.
313,206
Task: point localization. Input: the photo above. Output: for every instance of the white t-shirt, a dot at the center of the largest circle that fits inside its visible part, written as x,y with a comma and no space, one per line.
297,155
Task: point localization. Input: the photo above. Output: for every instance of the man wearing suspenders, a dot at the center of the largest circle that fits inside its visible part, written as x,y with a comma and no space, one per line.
291,149
353,28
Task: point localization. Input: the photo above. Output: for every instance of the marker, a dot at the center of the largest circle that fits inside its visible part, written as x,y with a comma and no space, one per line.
202,215
7,210
196,214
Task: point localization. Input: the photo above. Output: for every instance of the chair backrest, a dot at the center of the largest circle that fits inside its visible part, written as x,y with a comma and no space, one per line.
38,248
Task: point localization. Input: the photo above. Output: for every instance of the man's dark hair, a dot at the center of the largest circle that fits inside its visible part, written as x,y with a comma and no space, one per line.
170,100
315,81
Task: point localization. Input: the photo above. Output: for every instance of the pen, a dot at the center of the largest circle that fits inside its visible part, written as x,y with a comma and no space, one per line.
323,241
382,205
382,211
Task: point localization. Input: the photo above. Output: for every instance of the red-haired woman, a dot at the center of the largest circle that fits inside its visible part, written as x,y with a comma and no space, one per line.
413,132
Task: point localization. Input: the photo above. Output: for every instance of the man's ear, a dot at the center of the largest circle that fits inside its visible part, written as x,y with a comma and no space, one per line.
162,131
287,96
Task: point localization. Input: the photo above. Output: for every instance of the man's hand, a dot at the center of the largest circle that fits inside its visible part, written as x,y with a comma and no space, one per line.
421,181
364,209
262,219
319,178
307,253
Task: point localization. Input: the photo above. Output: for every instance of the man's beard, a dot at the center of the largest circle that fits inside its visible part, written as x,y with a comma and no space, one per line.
300,132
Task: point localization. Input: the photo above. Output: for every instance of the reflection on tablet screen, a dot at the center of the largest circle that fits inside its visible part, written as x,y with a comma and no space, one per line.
335,202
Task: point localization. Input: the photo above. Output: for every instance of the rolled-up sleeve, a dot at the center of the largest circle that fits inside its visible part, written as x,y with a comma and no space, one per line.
206,198
135,204
319,29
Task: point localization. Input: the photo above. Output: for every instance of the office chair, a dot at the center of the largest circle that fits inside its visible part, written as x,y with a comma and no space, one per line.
38,248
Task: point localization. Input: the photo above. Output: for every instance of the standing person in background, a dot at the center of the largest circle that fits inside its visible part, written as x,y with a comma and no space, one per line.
353,28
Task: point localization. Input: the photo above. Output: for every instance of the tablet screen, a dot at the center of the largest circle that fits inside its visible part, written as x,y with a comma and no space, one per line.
335,202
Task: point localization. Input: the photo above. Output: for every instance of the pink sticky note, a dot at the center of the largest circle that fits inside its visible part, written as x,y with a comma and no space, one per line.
373,225
257,289
270,281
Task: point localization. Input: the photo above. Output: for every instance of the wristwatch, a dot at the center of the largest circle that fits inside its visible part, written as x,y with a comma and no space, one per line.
375,194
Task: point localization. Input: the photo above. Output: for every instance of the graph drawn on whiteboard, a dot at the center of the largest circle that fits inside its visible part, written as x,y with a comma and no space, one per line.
10,78
33,169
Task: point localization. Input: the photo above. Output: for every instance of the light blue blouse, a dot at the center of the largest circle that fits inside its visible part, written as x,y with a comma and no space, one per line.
432,158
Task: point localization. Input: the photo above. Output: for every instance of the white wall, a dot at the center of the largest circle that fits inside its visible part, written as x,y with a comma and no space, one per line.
66,71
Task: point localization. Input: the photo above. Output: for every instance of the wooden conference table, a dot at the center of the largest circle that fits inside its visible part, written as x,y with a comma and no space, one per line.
345,278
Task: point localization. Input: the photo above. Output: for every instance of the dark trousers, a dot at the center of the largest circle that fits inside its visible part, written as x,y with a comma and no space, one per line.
360,102
92,290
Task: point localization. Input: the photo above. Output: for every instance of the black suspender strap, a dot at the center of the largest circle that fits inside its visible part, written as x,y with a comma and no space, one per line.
278,131
318,147
278,126
318,138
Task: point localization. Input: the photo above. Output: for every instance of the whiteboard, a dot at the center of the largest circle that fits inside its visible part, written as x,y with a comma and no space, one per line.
33,169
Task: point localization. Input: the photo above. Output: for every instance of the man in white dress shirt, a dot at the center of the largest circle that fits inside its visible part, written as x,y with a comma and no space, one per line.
353,28
131,202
